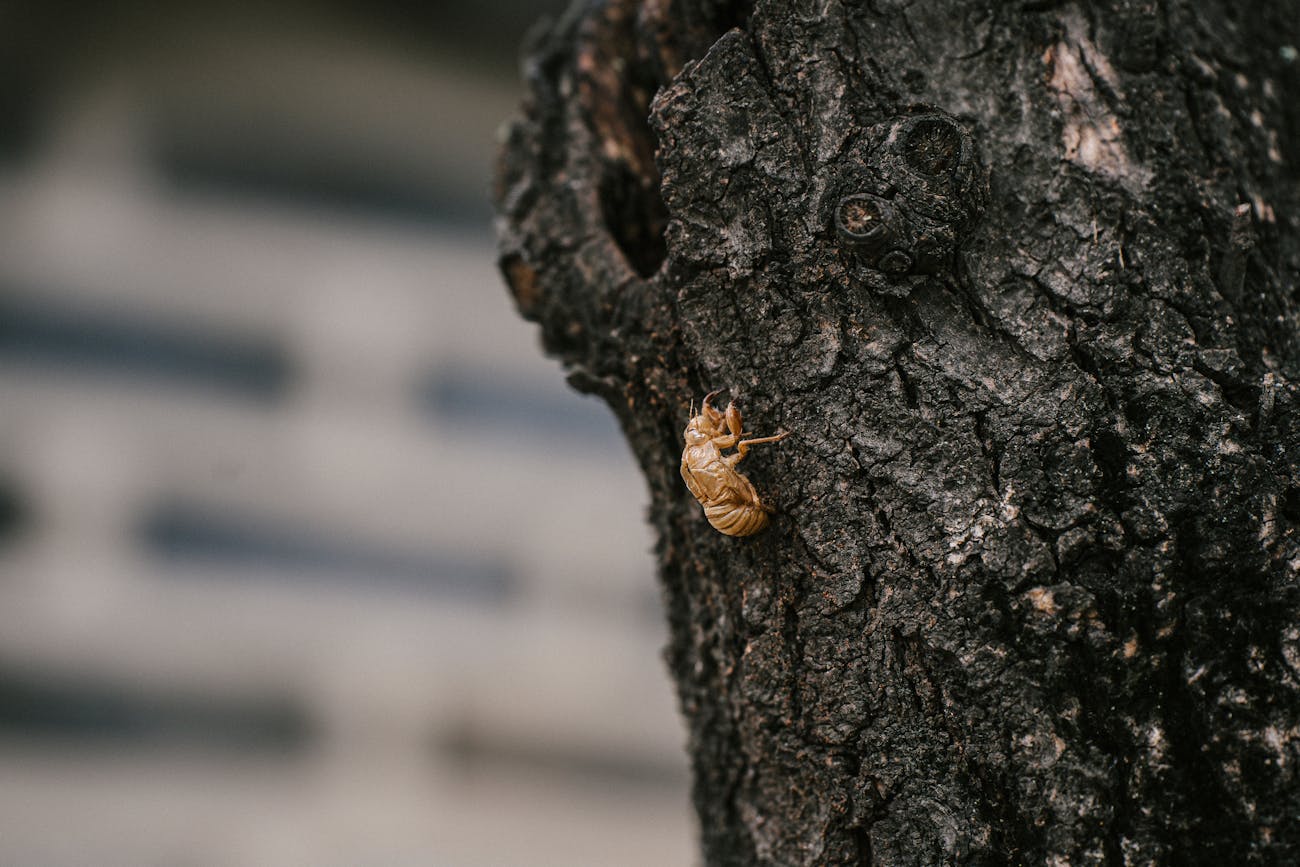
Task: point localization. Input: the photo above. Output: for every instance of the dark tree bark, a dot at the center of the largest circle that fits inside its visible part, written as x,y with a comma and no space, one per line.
1021,278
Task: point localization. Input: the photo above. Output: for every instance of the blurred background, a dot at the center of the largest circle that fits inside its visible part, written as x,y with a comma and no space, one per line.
307,556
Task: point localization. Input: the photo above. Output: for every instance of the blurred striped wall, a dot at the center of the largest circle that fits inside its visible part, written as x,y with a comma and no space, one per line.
307,556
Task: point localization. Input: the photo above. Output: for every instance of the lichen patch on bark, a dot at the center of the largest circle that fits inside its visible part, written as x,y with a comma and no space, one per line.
1091,136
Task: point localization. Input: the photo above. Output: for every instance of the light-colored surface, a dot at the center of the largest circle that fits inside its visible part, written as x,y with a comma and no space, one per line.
556,683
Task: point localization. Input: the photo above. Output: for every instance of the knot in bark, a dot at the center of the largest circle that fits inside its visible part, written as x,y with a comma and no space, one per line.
909,191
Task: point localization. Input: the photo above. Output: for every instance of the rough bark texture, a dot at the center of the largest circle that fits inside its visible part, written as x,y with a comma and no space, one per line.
1021,278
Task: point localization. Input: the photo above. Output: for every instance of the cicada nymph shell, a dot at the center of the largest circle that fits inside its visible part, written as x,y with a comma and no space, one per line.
730,502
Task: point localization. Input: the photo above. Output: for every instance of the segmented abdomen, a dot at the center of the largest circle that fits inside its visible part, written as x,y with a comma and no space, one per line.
735,519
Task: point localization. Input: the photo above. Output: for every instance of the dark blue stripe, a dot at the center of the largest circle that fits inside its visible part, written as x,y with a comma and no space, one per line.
179,532
31,331
76,708
307,181
526,411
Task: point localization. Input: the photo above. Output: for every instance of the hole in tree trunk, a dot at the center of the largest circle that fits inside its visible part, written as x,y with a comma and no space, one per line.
635,217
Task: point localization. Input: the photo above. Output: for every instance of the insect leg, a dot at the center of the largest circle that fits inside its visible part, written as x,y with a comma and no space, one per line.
712,417
734,420
743,445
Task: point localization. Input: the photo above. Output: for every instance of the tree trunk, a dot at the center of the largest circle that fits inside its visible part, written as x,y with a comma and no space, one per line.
1021,280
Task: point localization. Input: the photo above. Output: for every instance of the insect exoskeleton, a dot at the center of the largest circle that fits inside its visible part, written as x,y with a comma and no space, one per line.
730,502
